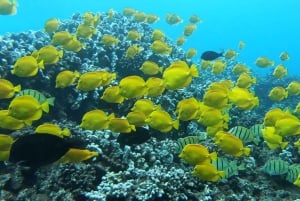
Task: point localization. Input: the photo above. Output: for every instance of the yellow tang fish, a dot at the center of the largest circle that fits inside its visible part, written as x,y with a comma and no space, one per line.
132,51
89,19
51,25
213,117
217,98
218,67
77,155
53,129
293,88
119,125
278,94
196,153
7,89
191,53
112,95
230,144
109,40
194,19
95,120
160,47
150,68
180,40
132,87
208,172
187,109
173,19
297,109
89,81
178,75
189,29
264,62
145,106
9,122
162,121
5,145
284,56
85,31
73,45
8,7
240,68
139,16
280,71
151,18
27,66
230,54
61,38
49,55
128,12
66,78
273,140
155,86
133,35
245,80
243,98
287,126
27,108
136,118
273,115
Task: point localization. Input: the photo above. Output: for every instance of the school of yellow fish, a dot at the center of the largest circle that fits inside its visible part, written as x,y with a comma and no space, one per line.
212,112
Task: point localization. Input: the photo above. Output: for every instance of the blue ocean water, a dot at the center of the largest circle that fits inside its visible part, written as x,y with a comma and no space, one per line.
268,27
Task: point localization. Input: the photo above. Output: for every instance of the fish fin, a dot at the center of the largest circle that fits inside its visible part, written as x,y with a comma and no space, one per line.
41,64
45,107
132,127
194,71
66,132
221,174
213,156
283,145
160,69
176,124
111,116
28,122
17,88
76,74
272,146
51,101
247,151
60,53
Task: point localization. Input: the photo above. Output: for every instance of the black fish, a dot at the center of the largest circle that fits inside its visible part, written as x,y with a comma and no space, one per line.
38,149
211,55
139,136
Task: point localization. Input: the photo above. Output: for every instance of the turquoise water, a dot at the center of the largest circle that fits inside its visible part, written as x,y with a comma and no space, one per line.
268,27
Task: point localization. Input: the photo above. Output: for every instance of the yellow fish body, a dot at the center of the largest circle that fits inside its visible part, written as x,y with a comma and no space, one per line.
112,95
73,45
49,55
53,129
273,140
7,89
178,75
133,35
77,155
95,120
8,7
5,145
51,25
173,19
194,19
27,66
132,51
189,29
61,38
240,68
273,115
9,122
230,54
218,67
132,87
155,86
145,106
278,94
245,80
89,81
109,40
216,98
264,62
196,153
150,68
212,117
119,125
208,172
191,53
180,41
162,121
85,31
280,71
160,47
287,126
297,109
293,88
284,56
230,144
243,99
187,109
66,78
139,16
151,18
136,118
27,108
89,19
128,12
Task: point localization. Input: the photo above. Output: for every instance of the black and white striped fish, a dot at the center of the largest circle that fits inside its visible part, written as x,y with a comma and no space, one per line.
181,142
37,95
243,134
276,167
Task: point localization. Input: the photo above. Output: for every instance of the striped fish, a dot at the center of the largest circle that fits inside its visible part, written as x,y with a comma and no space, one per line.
181,142
242,133
256,130
229,167
37,95
276,167
293,172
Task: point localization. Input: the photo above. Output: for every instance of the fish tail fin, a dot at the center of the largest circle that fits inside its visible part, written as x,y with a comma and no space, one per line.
213,156
66,132
194,71
221,174
272,146
41,64
17,88
132,127
60,53
76,74
176,124
247,151
51,101
254,80
45,107
114,76
283,145
160,69
28,122
111,116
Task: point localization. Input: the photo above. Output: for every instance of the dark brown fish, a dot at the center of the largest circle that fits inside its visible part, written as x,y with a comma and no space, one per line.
211,55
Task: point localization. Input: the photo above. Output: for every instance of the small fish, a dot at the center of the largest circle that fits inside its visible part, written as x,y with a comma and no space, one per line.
193,139
37,95
256,130
229,167
293,172
276,167
243,133
211,55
